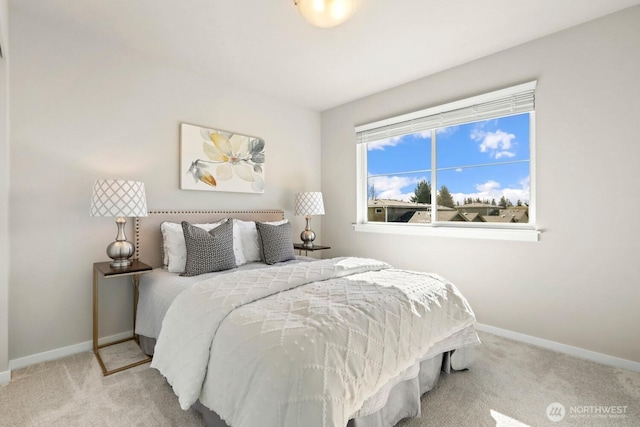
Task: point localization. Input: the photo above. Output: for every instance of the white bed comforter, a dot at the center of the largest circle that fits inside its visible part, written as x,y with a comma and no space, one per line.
303,344
159,288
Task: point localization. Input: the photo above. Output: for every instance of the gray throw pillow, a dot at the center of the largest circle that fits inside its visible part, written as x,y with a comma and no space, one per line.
208,251
276,242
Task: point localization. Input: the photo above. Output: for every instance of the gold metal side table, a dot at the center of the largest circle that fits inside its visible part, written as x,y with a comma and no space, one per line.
104,268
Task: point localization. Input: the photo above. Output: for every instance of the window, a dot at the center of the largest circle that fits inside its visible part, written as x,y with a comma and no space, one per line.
466,165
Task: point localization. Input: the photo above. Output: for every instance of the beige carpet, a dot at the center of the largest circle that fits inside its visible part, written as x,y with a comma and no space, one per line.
511,384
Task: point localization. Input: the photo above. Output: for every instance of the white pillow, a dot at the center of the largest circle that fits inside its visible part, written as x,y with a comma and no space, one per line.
174,246
246,243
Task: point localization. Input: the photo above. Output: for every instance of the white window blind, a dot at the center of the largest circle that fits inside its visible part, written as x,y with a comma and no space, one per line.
509,101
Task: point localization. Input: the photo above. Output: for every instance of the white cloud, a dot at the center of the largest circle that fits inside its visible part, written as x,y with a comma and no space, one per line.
508,154
382,143
488,186
424,134
390,187
448,130
492,190
497,144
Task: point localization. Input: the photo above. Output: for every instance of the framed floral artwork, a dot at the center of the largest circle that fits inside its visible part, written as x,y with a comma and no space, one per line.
217,160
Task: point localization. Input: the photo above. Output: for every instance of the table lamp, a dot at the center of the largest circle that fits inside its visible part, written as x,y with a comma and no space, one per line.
119,199
307,204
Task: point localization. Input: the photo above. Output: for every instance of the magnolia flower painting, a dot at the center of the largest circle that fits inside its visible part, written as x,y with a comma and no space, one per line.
215,160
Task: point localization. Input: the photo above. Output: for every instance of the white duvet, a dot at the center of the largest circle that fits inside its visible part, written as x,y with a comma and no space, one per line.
159,288
303,344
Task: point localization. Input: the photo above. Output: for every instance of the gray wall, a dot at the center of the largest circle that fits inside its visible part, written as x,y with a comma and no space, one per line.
4,189
579,284
83,109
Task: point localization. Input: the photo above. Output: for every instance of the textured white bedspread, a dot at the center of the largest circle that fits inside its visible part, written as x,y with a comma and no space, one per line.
304,344
159,288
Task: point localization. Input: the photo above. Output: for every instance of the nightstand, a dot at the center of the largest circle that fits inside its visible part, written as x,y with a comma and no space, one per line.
104,269
299,247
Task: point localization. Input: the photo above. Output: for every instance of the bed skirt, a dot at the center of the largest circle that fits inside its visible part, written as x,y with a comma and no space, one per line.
400,398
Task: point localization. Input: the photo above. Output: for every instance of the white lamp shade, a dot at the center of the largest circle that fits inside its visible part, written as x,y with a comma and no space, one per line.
326,13
118,198
309,203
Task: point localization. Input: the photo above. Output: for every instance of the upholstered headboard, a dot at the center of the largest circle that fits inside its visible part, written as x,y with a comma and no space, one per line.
148,238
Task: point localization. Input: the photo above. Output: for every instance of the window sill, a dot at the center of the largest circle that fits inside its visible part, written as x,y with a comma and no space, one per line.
514,234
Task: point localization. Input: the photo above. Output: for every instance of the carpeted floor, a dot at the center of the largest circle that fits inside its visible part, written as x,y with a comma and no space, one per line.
511,384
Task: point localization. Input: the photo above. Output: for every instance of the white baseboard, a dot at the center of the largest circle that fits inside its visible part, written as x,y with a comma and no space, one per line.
616,362
5,377
58,353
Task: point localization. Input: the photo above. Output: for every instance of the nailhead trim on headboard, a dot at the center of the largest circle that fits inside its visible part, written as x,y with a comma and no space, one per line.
229,214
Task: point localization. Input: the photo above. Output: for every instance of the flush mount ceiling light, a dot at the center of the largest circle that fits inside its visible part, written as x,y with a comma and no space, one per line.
326,13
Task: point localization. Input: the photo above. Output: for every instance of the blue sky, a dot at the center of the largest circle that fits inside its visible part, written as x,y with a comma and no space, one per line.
484,159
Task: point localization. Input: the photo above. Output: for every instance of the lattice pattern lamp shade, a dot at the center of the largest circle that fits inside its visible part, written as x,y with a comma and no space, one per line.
308,204
119,198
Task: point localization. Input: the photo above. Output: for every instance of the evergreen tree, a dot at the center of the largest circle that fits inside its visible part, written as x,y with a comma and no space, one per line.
503,202
372,192
519,202
422,193
493,202
445,198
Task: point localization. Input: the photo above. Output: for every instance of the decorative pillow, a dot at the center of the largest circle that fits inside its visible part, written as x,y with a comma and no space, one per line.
173,246
248,247
276,242
208,251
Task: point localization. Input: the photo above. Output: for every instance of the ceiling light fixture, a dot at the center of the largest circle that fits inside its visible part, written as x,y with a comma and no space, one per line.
326,13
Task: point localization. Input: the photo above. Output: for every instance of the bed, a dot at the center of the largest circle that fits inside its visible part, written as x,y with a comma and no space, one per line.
332,342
